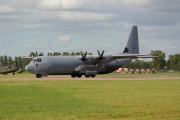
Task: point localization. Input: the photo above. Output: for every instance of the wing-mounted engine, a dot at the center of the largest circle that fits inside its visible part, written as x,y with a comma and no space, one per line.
88,60
93,65
102,60
96,61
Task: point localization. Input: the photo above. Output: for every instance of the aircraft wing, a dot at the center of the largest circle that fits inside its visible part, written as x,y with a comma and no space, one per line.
121,56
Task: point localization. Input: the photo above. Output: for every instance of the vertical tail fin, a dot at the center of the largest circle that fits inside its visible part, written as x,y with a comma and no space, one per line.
132,46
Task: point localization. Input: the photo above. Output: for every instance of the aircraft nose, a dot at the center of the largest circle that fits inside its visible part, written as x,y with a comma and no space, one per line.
29,68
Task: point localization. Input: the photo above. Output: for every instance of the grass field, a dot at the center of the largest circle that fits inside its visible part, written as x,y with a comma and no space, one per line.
110,99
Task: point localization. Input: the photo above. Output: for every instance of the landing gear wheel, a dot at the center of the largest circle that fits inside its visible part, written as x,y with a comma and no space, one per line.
73,75
92,76
79,75
87,76
39,75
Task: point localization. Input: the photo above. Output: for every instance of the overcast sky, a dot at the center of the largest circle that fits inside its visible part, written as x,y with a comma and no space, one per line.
87,25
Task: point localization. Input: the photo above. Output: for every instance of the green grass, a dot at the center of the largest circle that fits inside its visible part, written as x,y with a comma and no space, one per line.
46,100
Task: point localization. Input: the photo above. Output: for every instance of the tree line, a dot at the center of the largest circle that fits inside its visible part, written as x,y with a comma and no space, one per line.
21,62
57,54
159,64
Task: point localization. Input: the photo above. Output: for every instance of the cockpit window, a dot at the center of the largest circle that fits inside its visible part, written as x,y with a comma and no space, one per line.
39,60
36,60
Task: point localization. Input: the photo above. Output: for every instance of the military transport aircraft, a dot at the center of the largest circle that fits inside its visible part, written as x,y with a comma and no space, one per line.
90,66
5,69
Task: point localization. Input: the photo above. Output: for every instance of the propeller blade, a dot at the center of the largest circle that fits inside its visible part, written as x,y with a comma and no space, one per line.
98,52
102,53
85,55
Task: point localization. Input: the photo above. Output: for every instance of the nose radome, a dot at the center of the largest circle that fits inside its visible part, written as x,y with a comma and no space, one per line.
29,68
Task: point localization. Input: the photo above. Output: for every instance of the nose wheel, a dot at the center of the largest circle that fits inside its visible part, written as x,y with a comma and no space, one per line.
39,75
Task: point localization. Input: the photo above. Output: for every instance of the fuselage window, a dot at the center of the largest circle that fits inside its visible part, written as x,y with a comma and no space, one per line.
36,60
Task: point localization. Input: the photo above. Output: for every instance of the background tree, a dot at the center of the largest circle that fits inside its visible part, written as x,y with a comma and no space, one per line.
1,60
65,54
25,61
32,54
10,60
15,60
5,62
56,54
129,65
174,62
89,53
18,61
168,64
77,53
137,64
160,62
49,54
72,53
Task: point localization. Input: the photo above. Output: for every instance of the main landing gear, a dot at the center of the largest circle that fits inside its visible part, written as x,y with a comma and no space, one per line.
80,75
74,75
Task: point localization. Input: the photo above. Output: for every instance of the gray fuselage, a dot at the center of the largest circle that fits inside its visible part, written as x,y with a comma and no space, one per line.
61,65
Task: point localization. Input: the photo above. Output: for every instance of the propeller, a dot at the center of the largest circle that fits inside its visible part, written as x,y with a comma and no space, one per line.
83,58
101,58
100,55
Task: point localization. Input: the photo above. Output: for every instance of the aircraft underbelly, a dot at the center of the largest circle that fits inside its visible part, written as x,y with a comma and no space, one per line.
60,70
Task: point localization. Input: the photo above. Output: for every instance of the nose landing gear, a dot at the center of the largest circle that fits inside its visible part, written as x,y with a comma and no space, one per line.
39,75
